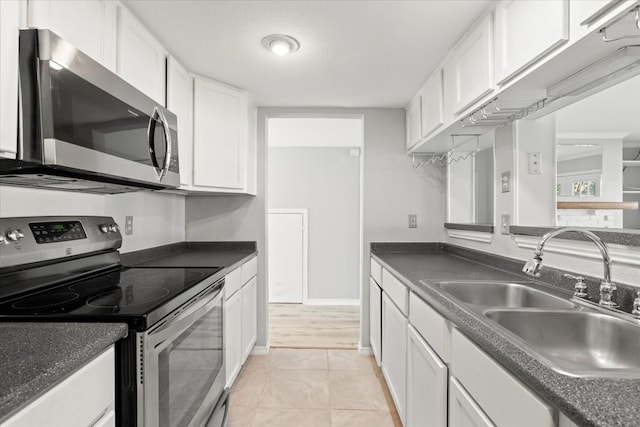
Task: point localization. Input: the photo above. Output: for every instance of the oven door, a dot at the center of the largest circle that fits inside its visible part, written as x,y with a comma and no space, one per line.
183,364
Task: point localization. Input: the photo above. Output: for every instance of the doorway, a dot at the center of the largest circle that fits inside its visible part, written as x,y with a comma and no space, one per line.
314,231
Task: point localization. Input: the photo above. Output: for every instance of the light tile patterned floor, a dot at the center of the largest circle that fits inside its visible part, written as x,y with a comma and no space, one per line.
313,326
311,388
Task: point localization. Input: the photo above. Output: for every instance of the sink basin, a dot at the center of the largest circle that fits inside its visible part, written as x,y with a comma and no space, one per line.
503,295
577,343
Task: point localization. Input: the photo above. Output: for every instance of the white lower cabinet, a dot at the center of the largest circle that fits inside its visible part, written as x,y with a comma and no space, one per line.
426,384
241,317
249,316
502,397
232,336
394,352
85,398
375,321
463,411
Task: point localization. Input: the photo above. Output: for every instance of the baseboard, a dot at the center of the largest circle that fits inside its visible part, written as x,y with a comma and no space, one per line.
260,350
333,301
365,351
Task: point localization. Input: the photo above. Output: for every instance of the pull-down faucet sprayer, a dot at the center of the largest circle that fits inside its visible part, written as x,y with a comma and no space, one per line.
534,265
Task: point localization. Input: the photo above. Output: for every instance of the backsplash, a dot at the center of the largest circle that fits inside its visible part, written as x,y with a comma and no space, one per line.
159,218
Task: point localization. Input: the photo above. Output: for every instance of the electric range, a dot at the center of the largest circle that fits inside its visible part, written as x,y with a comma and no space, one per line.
68,269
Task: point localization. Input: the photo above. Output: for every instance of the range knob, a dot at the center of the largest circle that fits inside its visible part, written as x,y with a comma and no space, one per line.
3,240
113,228
104,228
15,234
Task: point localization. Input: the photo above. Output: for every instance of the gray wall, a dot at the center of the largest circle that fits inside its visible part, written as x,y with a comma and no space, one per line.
484,186
391,191
580,165
326,181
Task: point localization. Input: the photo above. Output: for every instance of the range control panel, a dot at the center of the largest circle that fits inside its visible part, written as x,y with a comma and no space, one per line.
51,232
26,240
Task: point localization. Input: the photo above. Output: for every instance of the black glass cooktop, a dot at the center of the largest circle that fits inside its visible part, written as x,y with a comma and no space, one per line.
129,295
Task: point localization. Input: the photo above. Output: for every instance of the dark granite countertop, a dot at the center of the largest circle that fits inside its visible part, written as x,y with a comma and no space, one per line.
192,254
586,401
34,357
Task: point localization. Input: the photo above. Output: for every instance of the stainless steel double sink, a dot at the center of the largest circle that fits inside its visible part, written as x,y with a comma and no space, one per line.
568,337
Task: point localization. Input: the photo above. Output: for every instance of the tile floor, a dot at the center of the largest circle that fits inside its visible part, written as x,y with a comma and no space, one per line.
311,388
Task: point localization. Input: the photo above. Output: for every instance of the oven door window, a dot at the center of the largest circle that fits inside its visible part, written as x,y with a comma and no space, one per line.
188,368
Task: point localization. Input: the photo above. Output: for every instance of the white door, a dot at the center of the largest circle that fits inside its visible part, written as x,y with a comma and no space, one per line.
286,256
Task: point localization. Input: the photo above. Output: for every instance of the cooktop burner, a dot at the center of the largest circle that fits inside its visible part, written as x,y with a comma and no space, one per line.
42,301
131,295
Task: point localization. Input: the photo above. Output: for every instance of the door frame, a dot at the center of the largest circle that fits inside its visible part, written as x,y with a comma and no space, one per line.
305,247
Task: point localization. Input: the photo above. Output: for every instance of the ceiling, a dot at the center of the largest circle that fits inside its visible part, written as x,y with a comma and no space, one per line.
352,53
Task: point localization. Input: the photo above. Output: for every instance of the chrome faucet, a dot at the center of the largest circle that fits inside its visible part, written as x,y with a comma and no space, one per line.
534,265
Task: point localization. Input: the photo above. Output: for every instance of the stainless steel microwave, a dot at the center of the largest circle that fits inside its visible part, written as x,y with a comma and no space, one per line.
83,128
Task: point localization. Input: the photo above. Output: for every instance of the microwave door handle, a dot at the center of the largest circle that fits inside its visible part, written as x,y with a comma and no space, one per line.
182,322
158,116
167,143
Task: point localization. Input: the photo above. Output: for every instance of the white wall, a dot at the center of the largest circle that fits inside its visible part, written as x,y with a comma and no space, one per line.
325,181
391,191
158,217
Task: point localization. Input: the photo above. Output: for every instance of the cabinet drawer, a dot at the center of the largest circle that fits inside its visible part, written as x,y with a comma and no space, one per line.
249,269
433,327
376,271
232,282
504,399
396,290
78,401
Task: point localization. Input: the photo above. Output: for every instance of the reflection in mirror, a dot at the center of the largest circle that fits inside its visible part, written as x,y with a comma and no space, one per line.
579,171
598,158
470,181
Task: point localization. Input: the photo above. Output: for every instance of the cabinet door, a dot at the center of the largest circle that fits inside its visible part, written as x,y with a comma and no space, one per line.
432,104
394,355
249,316
9,27
141,59
86,396
426,384
414,115
233,337
88,25
527,30
470,70
180,102
375,318
220,135
463,411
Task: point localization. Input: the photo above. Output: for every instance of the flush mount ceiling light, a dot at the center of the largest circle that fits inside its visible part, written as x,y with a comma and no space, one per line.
280,44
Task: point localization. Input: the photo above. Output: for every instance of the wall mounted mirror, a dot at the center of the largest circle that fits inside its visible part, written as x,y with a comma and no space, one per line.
470,181
598,159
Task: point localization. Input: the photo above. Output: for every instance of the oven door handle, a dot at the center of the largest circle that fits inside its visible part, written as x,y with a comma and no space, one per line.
185,319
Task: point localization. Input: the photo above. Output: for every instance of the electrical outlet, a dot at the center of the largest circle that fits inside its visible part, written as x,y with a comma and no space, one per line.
505,183
413,221
534,163
505,221
128,225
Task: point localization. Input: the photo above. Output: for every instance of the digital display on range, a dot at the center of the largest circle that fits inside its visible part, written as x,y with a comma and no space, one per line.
54,232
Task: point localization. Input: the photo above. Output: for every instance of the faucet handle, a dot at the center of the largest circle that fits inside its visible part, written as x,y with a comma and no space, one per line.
580,288
636,306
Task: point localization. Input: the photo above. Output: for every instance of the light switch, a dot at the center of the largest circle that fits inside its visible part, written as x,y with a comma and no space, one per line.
413,221
505,221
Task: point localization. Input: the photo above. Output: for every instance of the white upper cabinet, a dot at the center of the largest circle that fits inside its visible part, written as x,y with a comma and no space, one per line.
88,25
432,104
180,102
414,116
525,31
10,12
141,59
220,136
470,70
